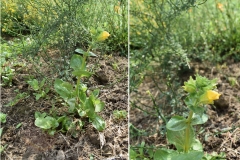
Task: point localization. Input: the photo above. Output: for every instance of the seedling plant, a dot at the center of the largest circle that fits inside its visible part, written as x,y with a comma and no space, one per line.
39,88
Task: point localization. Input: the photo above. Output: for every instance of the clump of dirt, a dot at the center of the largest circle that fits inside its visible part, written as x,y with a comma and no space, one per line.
222,130
30,142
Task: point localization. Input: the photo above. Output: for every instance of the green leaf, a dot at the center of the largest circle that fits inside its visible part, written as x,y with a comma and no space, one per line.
177,123
42,83
46,123
72,104
162,154
39,115
197,145
197,119
81,73
51,132
178,138
197,110
64,89
3,117
19,125
99,106
80,51
89,108
98,123
96,92
192,155
38,96
76,62
133,154
34,84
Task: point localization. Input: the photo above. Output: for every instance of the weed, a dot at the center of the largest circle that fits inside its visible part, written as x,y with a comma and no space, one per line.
18,98
119,115
39,88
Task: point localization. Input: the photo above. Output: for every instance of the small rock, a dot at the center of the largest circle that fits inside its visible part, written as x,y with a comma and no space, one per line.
60,155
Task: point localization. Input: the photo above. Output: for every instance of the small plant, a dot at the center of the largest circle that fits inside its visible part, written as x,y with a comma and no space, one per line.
76,98
119,114
41,90
7,76
180,130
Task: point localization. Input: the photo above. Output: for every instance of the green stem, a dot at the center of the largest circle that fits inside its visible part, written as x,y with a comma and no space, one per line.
85,55
187,132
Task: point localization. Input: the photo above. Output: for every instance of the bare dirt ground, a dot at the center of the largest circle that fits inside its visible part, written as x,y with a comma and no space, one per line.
222,130
29,142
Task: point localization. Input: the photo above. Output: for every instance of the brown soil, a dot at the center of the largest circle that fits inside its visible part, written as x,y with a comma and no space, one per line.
222,130
29,142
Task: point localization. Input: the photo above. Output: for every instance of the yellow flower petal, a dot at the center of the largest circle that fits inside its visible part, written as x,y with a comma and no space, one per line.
209,97
103,36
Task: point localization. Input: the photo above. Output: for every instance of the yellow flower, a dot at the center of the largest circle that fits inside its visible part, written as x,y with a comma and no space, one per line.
103,36
209,97
220,6
117,9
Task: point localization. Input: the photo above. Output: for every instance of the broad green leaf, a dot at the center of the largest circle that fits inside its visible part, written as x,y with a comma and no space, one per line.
3,117
176,123
82,94
98,123
38,96
162,154
79,50
197,119
34,84
2,148
89,108
192,155
42,83
178,138
133,154
76,62
197,145
72,104
99,106
81,73
51,132
39,115
64,89
197,110
66,123
96,92
46,123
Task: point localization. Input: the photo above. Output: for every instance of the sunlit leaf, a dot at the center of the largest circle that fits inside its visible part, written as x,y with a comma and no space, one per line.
177,123
80,51
76,62
98,123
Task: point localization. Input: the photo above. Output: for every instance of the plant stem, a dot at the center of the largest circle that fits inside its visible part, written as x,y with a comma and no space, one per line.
85,55
187,132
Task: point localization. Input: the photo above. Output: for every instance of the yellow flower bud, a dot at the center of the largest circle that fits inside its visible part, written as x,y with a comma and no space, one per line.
209,96
103,36
189,88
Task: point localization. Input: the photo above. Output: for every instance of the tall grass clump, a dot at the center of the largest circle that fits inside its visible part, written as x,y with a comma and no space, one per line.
155,50
210,31
55,28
